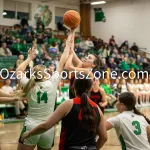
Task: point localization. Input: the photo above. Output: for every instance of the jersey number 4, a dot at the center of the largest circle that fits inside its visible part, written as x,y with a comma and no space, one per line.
137,127
42,97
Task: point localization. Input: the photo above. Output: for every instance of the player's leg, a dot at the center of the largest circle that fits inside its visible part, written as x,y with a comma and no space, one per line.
25,147
39,148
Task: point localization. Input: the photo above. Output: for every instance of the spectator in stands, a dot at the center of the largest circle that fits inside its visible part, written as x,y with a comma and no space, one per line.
4,51
83,46
89,43
134,47
61,27
56,61
112,65
117,59
112,40
24,46
124,86
129,53
133,64
29,38
40,23
17,47
146,65
45,57
19,60
13,39
125,44
104,65
124,65
8,41
24,30
24,21
40,39
18,105
78,40
62,47
110,98
40,29
139,62
77,49
133,54
104,52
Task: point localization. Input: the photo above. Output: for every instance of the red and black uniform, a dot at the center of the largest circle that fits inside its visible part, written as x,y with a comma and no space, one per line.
97,98
73,134
71,90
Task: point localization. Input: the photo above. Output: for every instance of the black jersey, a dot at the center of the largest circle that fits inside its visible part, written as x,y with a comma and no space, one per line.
72,132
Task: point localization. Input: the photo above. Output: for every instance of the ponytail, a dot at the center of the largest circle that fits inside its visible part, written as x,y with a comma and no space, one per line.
27,88
139,113
88,119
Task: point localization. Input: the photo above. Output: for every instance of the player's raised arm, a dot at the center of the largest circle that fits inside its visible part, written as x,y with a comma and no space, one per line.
31,56
65,55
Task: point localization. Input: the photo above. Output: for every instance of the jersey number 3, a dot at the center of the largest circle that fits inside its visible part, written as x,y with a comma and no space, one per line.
42,98
137,127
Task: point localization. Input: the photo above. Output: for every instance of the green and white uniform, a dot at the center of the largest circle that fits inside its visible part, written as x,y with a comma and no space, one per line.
131,130
41,100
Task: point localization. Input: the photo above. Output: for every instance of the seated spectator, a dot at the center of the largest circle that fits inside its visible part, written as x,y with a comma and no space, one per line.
54,48
124,65
24,46
78,40
18,105
129,53
134,47
117,59
24,21
24,30
40,39
17,47
83,46
133,64
146,65
104,65
77,49
133,54
56,61
45,57
62,47
124,86
126,44
29,38
111,40
4,51
117,91
61,27
19,60
104,52
139,62
112,65
110,98
13,39
8,40
89,43
40,30
40,23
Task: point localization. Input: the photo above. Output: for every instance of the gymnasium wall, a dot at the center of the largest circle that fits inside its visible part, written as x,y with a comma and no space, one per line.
125,20
53,6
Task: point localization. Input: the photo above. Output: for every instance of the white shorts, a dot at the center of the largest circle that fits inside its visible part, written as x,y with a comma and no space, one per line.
44,140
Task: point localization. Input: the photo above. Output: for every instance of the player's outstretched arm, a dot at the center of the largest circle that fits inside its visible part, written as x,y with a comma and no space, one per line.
59,113
31,56
84,71
69,45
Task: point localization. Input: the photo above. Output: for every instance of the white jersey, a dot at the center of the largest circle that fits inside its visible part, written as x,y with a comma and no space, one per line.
124,89
131,87
141,87
147,86
131,131
41,98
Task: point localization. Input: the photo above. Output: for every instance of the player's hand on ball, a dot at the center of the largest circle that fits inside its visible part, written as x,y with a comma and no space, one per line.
25,136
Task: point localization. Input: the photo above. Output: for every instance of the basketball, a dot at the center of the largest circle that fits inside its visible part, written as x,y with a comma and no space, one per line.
72,19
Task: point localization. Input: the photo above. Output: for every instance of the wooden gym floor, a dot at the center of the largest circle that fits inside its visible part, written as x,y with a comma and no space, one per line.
9,134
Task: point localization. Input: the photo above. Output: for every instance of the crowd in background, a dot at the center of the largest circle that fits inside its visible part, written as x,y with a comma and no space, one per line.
17,41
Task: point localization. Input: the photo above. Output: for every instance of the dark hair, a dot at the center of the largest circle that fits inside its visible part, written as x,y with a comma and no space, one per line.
97,62
82,88
129,100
